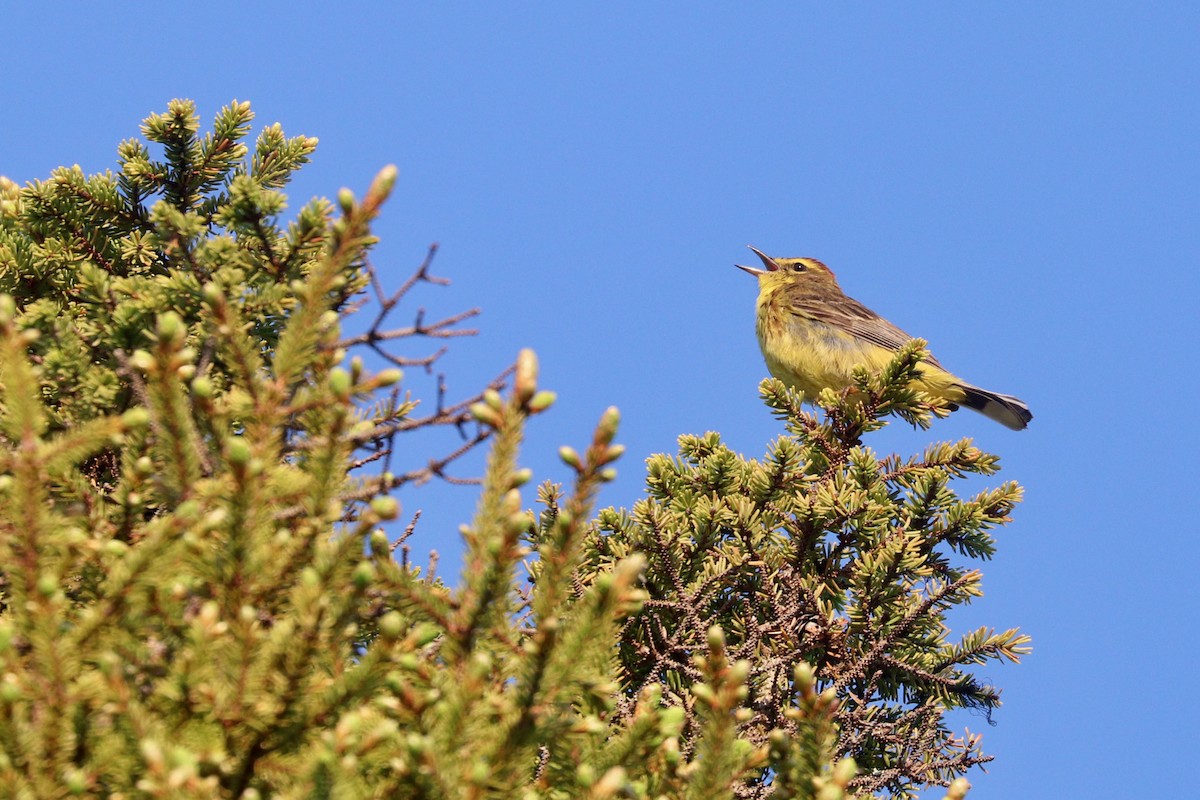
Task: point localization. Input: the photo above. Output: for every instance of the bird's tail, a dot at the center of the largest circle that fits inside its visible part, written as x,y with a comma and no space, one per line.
1004,408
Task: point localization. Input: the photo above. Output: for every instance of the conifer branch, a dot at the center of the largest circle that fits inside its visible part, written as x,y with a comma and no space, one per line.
820,553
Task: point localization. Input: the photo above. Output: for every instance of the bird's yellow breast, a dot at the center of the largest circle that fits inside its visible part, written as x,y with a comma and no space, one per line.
810,355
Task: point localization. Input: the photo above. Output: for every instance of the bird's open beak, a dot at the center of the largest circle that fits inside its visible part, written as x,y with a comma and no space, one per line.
768,262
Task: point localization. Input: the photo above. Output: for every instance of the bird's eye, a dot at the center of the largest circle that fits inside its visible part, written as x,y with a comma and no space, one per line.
799,266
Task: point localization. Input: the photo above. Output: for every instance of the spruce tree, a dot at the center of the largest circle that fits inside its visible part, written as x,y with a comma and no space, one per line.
199,599
822,559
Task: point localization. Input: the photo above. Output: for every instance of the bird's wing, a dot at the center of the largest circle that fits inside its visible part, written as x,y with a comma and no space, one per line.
847,314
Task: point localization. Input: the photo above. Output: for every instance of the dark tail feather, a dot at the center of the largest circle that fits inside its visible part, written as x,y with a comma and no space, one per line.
1004,408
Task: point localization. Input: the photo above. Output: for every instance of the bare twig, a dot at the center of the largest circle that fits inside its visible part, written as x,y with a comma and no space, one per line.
379,440
409,529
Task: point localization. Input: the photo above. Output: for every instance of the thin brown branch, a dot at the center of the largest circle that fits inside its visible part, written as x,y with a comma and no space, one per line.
442,329
858,669
409,529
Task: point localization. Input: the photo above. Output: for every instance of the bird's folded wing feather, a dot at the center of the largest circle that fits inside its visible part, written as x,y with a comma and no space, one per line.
851,316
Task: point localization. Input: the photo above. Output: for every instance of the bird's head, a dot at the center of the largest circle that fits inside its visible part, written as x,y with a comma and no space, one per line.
781,272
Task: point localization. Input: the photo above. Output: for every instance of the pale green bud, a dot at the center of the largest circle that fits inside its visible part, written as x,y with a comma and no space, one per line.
386,507
541,401
570,457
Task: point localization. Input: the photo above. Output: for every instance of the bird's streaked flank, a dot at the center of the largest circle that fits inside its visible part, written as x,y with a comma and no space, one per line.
813,336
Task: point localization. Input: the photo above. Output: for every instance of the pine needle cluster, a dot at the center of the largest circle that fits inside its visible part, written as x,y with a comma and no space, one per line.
199,599
824,559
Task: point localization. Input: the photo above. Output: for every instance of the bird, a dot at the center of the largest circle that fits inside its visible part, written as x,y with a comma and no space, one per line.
813,335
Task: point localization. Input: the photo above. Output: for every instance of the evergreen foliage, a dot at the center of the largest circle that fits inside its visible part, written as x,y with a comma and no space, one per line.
821,556
199,600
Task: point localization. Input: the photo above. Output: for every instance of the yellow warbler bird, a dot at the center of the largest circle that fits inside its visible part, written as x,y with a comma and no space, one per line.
812,336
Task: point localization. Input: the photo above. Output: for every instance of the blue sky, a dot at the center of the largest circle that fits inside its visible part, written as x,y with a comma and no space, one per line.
1018,183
